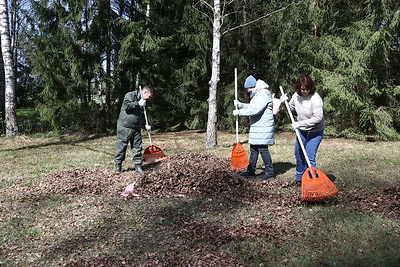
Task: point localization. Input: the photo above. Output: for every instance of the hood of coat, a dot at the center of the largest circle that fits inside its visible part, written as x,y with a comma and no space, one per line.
259,85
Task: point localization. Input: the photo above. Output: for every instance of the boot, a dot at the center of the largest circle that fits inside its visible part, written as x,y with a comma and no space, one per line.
138,169
251,168
266,176
118,168
248,174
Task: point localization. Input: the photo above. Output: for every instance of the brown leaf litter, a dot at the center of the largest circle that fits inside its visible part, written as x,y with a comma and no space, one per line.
204,176
200,175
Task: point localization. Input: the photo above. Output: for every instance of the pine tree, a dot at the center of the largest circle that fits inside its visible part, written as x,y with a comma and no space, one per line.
347,47
58,61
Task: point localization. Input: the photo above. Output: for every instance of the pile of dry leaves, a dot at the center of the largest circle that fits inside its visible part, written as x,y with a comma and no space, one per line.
194,174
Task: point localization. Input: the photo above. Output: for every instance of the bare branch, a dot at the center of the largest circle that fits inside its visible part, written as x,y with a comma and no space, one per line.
201,12
260,18
226,3
223,8
204,3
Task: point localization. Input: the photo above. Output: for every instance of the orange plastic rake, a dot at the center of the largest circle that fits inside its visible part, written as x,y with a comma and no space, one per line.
152,153
315,185
239,158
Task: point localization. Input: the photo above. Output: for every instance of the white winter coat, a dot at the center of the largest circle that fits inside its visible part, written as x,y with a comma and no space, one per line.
261,117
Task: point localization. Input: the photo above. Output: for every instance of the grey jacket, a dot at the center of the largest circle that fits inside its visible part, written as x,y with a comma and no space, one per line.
310,114
261,117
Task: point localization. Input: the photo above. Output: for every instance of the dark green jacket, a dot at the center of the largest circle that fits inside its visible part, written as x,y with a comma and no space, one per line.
131,114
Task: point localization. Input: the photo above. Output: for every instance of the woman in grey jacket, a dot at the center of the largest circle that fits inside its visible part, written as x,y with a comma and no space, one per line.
308,105
261,133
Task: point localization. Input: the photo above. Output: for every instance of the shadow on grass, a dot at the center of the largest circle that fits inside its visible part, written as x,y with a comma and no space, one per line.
148,231
282,167
55,143
331,177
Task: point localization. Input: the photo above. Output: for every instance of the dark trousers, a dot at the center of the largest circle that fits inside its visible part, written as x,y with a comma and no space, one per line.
266,157
125,136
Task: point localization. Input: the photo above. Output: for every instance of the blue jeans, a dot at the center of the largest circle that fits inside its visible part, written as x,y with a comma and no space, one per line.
311,141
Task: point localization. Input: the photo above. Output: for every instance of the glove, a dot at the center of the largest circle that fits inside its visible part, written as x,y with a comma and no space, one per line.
148,128
295,125
236,103
283,98
142,102
235,112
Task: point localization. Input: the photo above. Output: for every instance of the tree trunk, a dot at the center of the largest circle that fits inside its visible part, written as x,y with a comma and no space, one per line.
211,135
15,6
108,66
2,94
143,44
89,91
10,109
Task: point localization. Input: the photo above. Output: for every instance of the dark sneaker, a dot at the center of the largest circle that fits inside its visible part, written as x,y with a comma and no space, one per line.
248,174
265,176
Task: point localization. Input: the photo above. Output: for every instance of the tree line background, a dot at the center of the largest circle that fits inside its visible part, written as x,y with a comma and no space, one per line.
74,60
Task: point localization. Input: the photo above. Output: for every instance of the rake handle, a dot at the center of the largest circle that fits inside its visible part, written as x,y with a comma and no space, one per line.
296,130
145,114
237,116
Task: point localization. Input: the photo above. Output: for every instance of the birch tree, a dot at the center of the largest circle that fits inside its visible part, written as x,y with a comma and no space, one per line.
217,19
10,107
211,135
2,93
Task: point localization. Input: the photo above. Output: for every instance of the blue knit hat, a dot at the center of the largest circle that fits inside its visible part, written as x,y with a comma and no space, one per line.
250,82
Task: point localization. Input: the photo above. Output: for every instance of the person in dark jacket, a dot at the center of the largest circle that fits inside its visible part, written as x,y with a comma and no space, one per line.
130,121
262,125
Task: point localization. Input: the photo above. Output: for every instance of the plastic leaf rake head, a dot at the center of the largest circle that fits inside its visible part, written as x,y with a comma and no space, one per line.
153,153
315,185
239,158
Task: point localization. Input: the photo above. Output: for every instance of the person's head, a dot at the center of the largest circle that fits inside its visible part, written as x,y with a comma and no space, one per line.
304,85
147,92
250,83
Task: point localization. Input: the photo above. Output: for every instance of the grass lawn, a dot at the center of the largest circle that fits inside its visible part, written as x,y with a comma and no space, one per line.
51,216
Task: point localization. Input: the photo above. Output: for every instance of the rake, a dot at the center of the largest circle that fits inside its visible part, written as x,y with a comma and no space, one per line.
239,158
152,153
